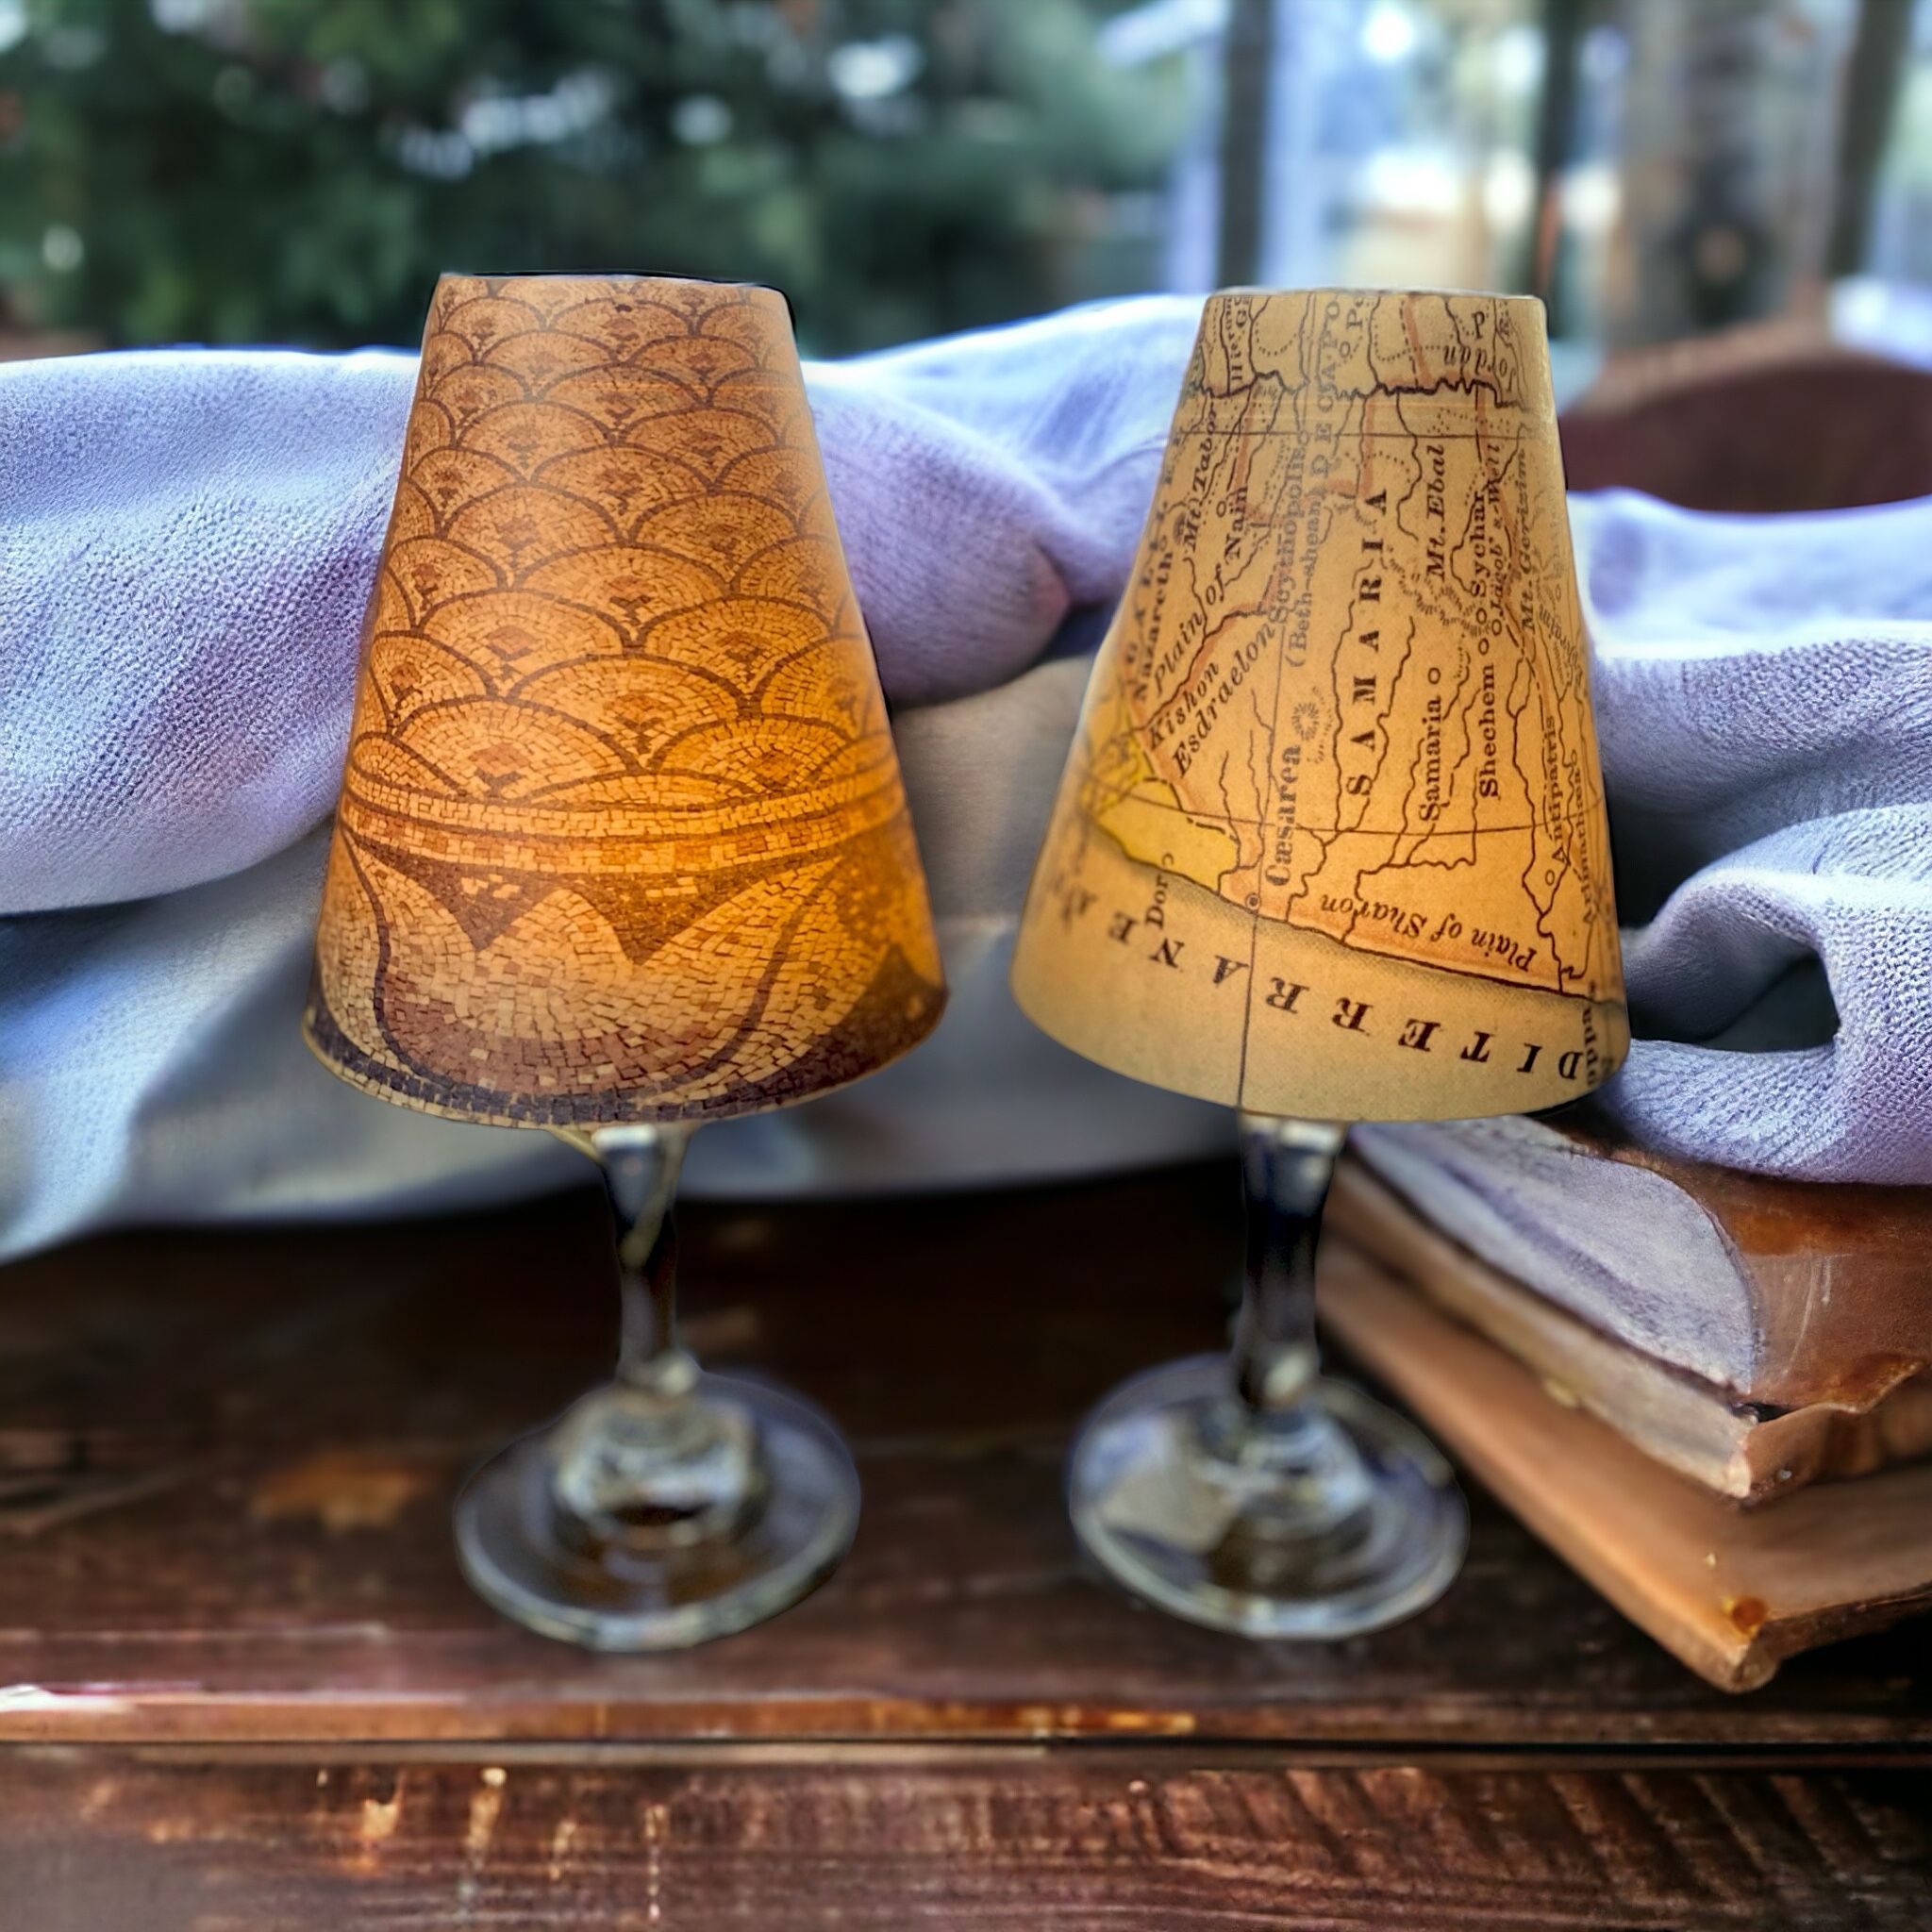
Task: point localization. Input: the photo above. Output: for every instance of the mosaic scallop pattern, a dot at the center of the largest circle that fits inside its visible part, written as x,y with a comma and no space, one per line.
622,834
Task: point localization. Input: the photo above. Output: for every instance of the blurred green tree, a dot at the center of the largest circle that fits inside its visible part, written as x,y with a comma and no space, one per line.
299,171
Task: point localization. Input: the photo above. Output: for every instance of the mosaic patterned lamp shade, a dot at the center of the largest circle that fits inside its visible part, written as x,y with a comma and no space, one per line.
621,833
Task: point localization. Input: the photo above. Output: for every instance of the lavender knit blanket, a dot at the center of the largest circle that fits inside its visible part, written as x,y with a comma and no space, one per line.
185,542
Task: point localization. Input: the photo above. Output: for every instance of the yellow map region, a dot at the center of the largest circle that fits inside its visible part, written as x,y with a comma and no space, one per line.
1347,689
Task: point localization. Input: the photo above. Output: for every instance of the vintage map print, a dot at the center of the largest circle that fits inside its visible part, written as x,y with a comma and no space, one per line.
622,834
1331,837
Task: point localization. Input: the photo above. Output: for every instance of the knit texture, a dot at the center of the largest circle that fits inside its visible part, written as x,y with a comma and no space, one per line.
1764,697
189,537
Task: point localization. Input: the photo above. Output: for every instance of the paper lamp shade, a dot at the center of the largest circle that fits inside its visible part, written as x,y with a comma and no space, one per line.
1332,839
622,834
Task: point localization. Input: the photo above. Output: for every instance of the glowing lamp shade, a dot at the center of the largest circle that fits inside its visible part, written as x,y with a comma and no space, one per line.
623,848
622,834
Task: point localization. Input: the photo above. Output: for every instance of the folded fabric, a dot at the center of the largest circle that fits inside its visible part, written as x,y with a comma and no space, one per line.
1764,702
190,536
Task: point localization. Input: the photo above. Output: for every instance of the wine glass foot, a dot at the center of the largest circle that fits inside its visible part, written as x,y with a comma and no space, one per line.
1359,1526
657,1587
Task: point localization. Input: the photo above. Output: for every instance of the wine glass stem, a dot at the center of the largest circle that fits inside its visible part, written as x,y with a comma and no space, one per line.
641,1165
1285,1168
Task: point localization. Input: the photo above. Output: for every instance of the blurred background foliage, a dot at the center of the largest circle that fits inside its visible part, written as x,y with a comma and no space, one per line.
299,171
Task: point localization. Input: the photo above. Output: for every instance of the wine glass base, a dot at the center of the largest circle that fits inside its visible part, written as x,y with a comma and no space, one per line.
519,1555
1247,1548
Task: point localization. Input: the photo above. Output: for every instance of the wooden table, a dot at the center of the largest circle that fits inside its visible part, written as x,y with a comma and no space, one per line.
244,1686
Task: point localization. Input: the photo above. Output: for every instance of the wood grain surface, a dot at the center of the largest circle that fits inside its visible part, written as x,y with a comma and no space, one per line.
226,1465
1070,1842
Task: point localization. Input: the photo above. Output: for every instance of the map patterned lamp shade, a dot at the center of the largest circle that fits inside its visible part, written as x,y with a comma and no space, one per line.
1332,839
1329,846
622,834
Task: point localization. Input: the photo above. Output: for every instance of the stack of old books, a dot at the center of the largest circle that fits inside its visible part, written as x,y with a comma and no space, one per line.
1708,1391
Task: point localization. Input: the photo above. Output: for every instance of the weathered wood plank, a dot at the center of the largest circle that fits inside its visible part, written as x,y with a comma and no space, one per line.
228,1461
1072,1842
